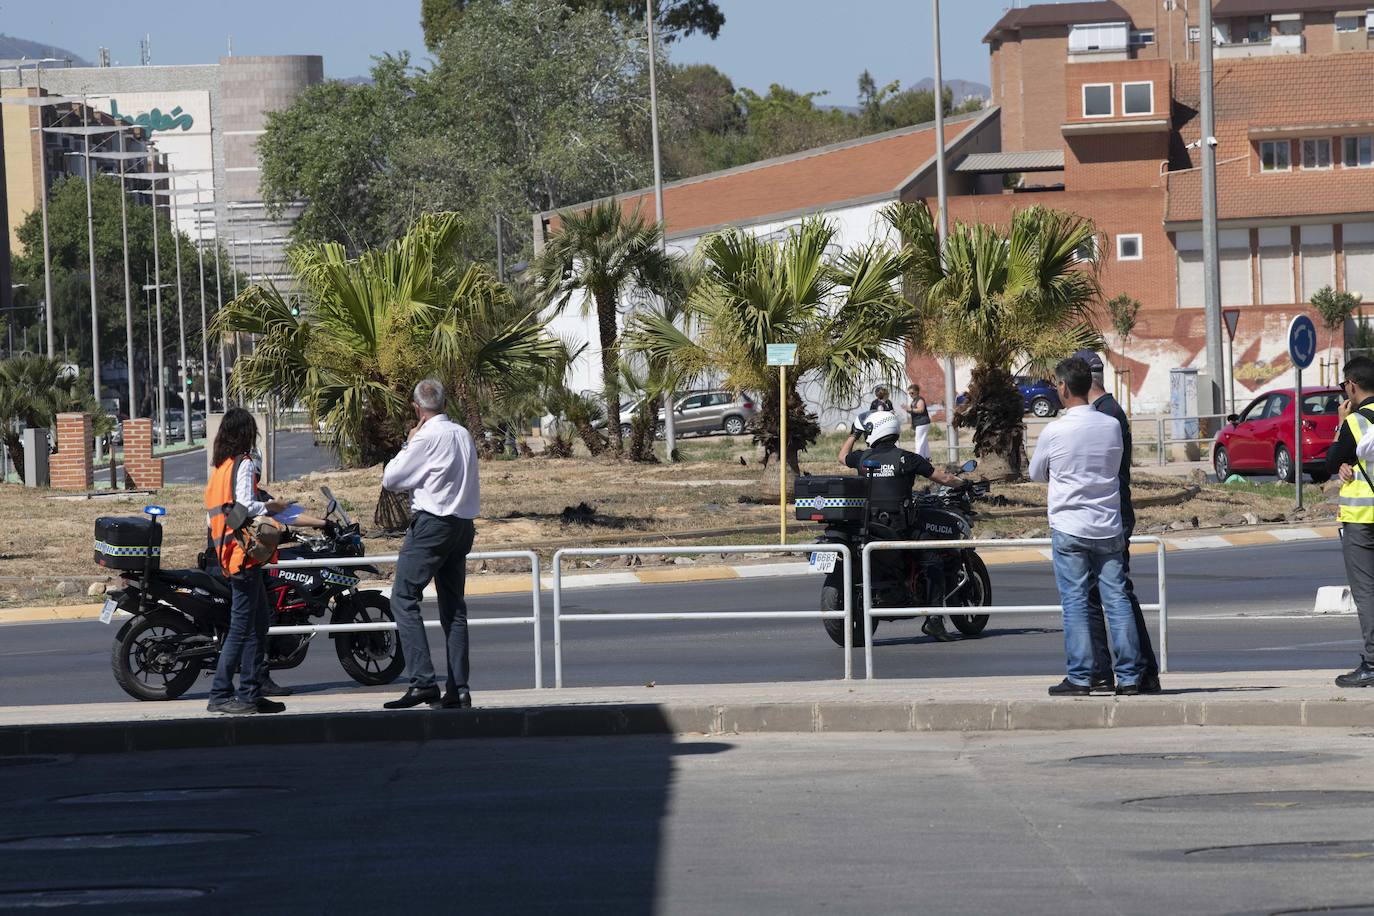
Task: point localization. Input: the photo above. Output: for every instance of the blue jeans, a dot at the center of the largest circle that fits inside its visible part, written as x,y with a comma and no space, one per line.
244,645
1080,564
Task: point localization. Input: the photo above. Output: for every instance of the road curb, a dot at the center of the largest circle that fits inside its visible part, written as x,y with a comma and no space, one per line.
511,584
617,719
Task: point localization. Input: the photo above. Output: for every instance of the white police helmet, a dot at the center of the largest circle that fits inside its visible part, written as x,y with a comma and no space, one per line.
881,424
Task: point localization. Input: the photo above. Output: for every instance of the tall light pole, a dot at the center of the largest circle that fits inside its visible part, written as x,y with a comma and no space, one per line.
181,325
669,426
204,339
121,157
951,434
1211,274
219,307
153,177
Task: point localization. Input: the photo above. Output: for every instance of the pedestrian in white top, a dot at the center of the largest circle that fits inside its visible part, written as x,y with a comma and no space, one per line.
438,465
1079,455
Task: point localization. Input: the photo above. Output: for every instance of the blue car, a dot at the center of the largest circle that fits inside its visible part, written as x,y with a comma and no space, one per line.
1039,396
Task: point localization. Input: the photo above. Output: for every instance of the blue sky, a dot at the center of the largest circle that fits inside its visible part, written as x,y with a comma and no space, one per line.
809,45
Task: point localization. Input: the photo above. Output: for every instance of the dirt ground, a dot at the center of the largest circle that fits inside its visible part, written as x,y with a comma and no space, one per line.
542,504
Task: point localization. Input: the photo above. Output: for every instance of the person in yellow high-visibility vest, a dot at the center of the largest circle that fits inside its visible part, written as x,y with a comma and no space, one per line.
1349,457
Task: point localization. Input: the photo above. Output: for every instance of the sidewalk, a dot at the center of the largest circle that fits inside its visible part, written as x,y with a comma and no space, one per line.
1263,698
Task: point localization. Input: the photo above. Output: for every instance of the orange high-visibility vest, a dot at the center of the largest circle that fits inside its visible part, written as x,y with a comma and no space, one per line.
219,500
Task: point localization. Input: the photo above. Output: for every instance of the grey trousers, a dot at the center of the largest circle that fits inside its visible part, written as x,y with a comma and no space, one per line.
435,548
1357,546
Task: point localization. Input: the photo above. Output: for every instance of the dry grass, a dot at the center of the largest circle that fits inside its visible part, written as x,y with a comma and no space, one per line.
523,502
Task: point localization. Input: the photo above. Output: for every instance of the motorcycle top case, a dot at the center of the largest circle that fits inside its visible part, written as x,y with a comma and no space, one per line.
127,543
831,498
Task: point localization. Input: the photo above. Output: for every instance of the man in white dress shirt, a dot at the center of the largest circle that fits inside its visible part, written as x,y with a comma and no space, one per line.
1079,455
438,465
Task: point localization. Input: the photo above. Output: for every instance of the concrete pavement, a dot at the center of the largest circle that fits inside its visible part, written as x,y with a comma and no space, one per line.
1252,699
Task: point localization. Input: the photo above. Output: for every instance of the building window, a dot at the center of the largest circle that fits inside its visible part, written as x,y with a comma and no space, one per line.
1316,153
1274,156
1193,33
1359,152
1318,259
1101,36
1128,247
1142,37
1276,265
1348,23
1233,264
1087,251
1358,241
1097,100
1138,98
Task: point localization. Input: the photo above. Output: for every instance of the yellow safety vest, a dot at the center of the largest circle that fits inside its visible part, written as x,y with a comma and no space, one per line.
1357,497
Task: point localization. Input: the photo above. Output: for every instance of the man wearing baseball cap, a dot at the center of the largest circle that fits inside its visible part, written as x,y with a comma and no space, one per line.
1103,402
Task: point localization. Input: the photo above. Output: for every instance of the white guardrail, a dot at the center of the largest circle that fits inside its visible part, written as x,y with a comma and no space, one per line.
533,620
559,617
870,612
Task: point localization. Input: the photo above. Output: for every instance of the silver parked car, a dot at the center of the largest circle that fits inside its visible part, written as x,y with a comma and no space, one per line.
705,412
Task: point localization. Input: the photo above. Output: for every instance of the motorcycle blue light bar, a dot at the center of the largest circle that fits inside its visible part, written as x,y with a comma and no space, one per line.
154,511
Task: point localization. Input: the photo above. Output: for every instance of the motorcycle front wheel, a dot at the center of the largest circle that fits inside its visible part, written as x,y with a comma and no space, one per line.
832,599
142,657
977,593
370,657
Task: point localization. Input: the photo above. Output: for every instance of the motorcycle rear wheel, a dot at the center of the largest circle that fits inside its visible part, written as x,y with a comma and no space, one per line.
977,593
372,658
832,599
140,662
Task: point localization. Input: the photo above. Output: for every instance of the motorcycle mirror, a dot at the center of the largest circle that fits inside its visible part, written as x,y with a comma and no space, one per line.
333,505
968,466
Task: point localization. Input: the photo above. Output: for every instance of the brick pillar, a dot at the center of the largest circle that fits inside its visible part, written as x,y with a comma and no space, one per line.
71,466
141,469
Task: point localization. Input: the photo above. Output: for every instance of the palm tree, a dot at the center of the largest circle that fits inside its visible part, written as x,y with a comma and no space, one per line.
602,253
847,317
366,329
33,391
1015,300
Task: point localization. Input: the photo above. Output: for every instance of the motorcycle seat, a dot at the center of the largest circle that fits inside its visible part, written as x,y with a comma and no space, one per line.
195,578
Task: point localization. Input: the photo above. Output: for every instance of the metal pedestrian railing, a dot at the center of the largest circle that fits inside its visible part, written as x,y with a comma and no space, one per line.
870,612
533,620
559,618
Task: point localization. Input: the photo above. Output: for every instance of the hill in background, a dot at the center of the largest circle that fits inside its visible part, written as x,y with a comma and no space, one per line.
12,48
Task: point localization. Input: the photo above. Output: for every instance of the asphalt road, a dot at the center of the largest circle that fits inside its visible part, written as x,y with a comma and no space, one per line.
1129,821
1231,610
297,454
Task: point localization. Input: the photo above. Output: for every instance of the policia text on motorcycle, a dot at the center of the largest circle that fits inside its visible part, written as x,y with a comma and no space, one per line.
893,472
1349,456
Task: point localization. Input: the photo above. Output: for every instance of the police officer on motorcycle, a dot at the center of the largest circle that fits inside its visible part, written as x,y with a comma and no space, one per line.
893,472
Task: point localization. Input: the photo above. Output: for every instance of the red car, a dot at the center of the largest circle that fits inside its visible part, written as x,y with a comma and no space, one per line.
1260,439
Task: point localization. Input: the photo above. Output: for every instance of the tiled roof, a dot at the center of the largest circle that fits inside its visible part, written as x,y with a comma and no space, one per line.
869,167
1047,14
1259,92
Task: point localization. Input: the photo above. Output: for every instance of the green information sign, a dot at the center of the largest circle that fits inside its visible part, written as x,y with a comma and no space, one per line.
780,354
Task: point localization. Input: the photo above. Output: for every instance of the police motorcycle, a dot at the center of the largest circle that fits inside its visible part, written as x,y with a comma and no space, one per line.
953,577
180,616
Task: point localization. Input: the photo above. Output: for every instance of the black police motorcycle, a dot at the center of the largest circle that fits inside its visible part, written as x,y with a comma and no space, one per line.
901,578
180,616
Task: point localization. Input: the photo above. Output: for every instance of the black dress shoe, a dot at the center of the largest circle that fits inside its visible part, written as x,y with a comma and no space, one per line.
1103,685
1149,683
414,697
265,705
271,688
1067,688
1128,690
232,707
934,627
460,698
1363,676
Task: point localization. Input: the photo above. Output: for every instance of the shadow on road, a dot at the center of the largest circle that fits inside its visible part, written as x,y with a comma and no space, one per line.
489,825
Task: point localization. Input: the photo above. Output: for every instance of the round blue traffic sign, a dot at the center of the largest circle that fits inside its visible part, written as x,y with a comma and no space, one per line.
1302,341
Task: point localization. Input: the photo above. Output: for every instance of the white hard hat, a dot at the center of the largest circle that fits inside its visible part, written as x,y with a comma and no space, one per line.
880,424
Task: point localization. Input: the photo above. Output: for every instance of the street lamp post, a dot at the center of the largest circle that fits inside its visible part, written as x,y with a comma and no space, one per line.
669,426
204,339
123,156
951,434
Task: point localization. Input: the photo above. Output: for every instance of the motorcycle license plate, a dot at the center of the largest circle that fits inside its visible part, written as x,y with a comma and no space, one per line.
823,562
107,611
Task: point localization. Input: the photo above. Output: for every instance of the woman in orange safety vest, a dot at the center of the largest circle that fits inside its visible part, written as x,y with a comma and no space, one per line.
235,481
